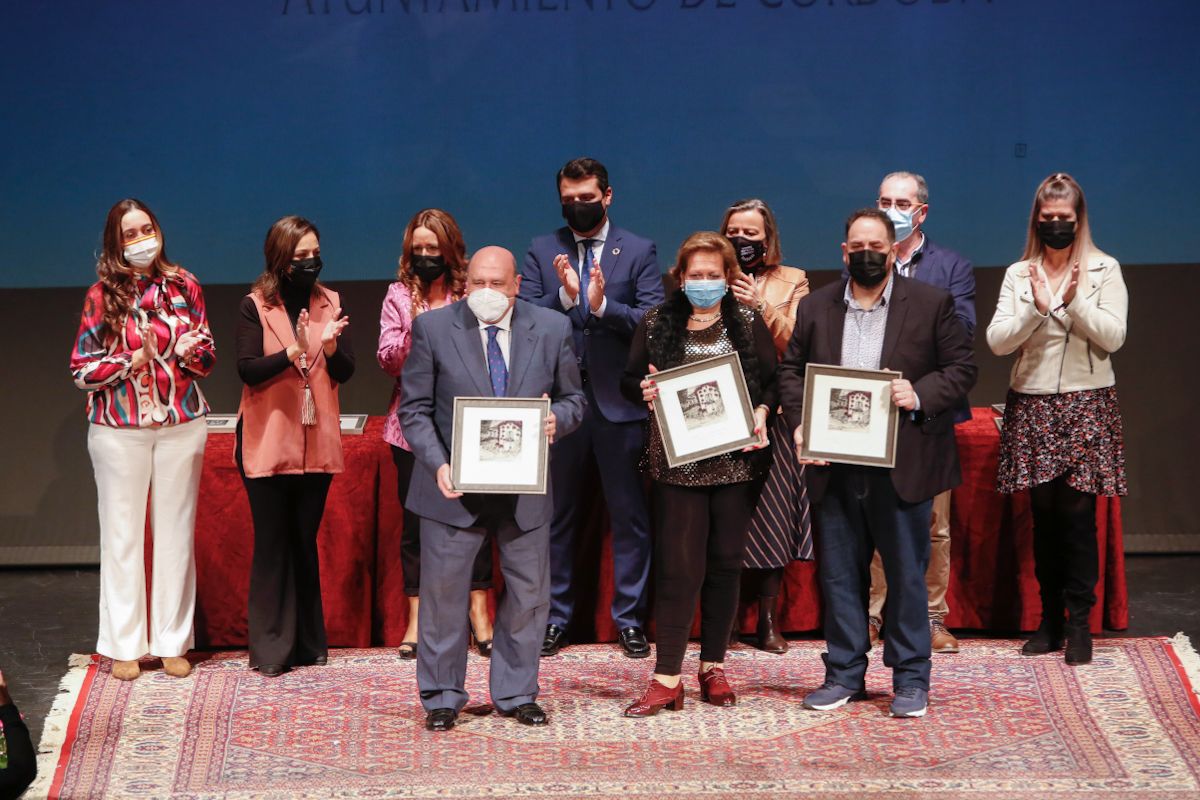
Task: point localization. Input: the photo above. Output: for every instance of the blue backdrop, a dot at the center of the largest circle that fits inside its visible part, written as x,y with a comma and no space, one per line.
226,115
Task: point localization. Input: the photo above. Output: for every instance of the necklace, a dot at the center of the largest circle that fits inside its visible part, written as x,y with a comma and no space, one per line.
695,318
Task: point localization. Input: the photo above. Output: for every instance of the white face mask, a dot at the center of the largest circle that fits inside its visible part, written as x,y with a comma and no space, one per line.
142,252
487,304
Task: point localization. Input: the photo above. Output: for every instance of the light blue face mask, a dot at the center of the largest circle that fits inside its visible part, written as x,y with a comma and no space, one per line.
903,222
705,294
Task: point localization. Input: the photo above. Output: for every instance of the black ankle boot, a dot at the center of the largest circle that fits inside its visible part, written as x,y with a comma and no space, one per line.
1047,639
769,638
1079,645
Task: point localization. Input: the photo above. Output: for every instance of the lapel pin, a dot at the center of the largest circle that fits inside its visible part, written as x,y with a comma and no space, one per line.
616,251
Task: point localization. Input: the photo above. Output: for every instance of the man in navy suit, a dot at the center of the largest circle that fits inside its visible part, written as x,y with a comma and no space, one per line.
490,345
603,279
904,197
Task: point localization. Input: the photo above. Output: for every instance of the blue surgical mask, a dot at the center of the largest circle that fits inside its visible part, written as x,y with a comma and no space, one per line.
705,294
903,222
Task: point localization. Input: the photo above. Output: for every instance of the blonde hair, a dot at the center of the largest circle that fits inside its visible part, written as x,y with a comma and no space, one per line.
1060,186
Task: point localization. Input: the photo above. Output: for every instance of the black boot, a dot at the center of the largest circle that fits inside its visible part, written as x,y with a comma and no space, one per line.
769,638
1079,645
1048,637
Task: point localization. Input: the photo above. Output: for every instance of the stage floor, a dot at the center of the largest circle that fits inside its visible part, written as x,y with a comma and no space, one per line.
47,614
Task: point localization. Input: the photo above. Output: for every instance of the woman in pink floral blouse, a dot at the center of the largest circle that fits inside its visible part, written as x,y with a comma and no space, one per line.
142,344
433,271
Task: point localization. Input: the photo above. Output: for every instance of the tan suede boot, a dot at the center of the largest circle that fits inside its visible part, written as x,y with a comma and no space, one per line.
177,666
126,670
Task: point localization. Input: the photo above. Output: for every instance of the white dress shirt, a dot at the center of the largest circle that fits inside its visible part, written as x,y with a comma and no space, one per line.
597,251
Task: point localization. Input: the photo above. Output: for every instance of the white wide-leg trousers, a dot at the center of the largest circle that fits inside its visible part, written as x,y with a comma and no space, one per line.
130,464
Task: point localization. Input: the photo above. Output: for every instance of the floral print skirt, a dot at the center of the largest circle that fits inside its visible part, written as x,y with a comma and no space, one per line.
1077,434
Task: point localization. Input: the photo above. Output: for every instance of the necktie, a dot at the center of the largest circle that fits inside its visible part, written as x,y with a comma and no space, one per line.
497,369
585,272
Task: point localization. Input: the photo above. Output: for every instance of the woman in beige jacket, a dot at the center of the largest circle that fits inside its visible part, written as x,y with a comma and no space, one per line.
780,531
1062,310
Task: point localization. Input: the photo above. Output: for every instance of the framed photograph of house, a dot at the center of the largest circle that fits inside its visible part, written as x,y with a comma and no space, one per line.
500,446
703,409
849,416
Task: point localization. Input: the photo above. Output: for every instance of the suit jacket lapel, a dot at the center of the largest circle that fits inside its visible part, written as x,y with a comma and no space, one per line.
836,325
521,344
470,349
611,255
895,321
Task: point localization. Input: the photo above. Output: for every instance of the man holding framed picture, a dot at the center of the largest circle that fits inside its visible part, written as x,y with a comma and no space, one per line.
490,347
877,320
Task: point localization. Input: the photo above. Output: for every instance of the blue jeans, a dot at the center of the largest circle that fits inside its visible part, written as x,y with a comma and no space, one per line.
860,513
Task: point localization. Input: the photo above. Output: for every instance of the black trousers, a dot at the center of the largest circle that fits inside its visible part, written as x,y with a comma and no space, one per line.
1066,558
410,538
699,545
286,621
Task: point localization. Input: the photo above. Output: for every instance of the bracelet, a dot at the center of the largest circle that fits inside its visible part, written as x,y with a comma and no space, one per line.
761,307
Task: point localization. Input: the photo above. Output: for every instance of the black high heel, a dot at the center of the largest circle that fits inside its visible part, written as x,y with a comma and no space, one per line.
484,646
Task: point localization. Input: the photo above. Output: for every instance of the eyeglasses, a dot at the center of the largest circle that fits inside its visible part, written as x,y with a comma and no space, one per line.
885,203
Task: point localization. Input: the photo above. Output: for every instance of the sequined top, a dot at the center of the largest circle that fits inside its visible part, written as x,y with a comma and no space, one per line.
708,342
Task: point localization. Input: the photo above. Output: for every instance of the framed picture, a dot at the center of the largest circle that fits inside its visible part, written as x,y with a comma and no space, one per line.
352,424
500,446
849,416
703,409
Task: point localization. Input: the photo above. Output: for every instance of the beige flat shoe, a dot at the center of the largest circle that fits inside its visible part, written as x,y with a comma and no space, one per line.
126,670
177,666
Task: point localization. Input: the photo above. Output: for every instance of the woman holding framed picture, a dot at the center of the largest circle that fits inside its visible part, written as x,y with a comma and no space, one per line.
703,508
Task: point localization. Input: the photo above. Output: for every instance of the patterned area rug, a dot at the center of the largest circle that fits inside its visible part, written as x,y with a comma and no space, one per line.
999,725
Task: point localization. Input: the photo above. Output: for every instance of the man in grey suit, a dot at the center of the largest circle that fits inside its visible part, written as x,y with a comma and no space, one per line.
490,345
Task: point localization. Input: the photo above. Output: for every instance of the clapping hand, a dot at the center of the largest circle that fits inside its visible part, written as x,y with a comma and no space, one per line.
186,345
302,331
1041,292
332,331
595,290
1072,284
149,349
567,275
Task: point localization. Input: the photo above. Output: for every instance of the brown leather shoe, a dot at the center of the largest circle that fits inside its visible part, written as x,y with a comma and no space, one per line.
875,625
941,640
655,699
126,670
177,666
715,690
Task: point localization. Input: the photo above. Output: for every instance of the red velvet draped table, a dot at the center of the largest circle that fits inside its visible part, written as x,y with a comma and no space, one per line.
992,586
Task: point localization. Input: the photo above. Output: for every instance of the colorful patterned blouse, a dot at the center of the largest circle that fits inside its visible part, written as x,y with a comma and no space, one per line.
395,342
163,392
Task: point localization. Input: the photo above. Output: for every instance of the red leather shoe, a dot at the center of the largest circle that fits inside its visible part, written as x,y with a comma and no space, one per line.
655,699
714,689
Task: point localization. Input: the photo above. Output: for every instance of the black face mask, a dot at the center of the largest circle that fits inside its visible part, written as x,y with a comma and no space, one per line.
583,217
1057,234
429,268
749,252
303,273
868,267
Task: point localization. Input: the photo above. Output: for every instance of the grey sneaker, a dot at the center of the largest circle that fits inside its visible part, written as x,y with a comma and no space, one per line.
832,695
910,701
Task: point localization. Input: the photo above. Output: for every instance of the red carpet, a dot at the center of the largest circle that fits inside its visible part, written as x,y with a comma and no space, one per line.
999,725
